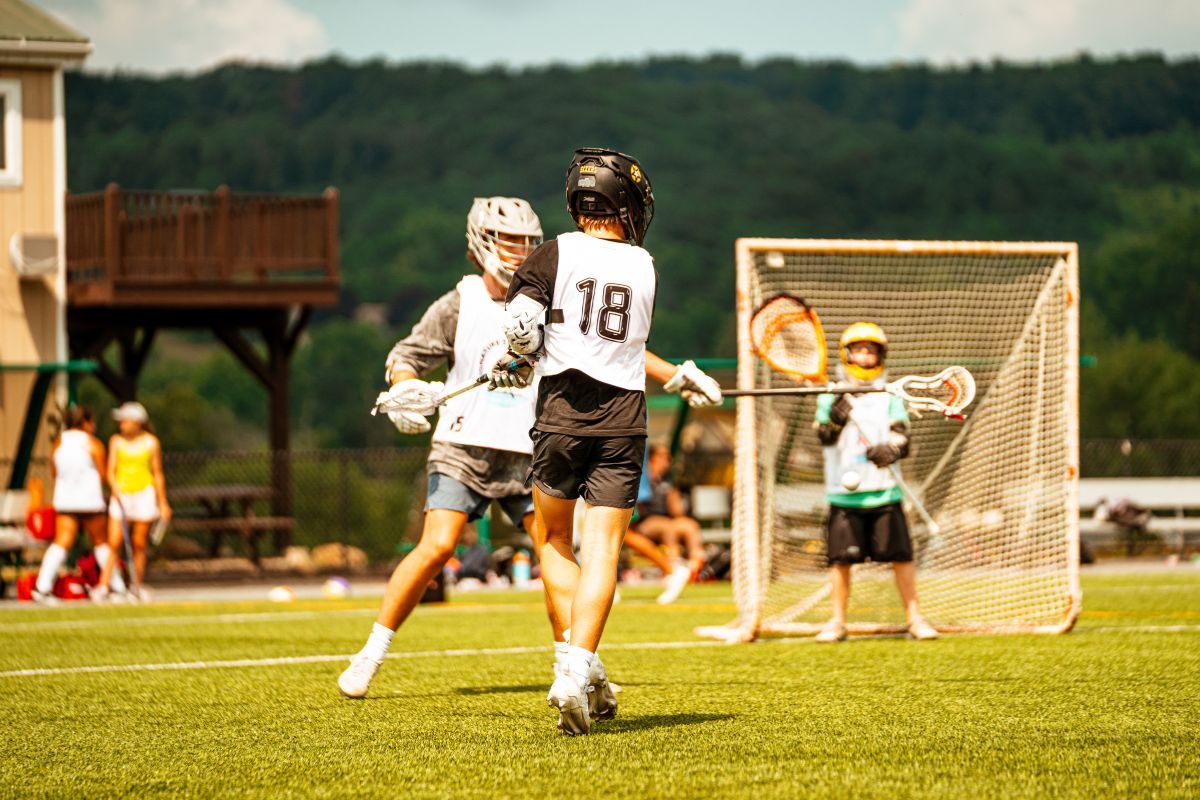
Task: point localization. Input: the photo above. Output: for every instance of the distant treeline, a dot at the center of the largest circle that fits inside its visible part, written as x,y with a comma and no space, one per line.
1104,152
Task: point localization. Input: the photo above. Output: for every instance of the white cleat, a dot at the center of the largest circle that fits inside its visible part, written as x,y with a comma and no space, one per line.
920,629
568,695
356,680
602,700
676,582
45,598
100,594
833,631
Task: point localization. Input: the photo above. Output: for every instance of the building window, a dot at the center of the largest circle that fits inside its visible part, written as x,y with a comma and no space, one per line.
10,132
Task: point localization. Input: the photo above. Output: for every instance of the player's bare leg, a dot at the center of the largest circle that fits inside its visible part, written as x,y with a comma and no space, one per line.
603,531
552,536
439,537
839,596
906,584
581,691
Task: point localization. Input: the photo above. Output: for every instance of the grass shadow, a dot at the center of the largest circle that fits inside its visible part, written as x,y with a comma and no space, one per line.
648,721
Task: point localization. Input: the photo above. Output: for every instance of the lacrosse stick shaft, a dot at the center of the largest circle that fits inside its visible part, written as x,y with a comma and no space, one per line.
483,379
127,537
802,390
934,528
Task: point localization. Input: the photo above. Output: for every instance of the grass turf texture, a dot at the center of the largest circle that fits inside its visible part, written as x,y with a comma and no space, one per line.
1111,709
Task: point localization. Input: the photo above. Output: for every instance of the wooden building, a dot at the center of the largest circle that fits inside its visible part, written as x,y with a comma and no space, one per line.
35,47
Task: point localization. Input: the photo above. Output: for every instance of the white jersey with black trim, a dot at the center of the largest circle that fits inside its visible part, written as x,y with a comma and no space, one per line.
604,291
498,419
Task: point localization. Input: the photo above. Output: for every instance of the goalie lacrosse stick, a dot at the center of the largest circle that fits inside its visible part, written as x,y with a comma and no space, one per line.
787,334
894,469
385,402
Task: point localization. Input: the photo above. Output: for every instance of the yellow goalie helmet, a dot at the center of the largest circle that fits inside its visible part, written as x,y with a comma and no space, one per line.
863,332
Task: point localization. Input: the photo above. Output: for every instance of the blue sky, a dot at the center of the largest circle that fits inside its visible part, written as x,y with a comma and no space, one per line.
173,35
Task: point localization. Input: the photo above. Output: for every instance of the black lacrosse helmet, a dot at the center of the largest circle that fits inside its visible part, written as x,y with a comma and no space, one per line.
605,183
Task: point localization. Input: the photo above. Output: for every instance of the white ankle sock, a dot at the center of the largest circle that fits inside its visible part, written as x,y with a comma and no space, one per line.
378,643
579,663
116,582
54,558
560,649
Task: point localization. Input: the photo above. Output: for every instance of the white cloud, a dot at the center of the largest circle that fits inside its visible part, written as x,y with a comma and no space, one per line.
172,35
951,30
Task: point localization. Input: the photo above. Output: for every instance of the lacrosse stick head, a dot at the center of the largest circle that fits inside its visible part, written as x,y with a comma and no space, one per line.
787,334
948,393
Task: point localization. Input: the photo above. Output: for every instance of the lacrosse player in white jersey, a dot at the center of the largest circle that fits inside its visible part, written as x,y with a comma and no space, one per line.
581,305
481,447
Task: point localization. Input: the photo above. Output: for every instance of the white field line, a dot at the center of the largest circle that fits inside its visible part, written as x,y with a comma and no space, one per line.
287,660
459,653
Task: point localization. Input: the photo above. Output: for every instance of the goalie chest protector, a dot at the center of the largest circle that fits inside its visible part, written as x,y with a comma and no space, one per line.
499,419
605,293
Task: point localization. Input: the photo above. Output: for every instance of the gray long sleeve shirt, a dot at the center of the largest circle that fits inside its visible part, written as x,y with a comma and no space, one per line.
492,473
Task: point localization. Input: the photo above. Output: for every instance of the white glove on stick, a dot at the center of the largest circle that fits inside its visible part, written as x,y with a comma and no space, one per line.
409,422
697,388
412,395
523,329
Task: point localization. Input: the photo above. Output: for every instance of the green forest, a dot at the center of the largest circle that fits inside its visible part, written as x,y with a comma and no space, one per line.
1103,152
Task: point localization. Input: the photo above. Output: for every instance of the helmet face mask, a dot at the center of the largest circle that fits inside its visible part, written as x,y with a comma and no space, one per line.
605,183
501,233
860,332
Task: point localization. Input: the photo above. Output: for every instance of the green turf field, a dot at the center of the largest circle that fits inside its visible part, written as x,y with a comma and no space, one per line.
1112,709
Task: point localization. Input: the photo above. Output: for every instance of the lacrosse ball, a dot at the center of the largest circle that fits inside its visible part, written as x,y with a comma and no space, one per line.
281,594
336,588
850,480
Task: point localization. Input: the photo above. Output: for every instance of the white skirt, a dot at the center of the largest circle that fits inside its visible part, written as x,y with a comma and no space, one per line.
141,506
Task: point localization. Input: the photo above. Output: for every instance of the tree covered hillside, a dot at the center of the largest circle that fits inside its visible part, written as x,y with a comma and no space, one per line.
1103,152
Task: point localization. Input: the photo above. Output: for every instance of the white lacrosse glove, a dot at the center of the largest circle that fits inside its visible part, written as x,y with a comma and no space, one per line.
409,422
523,329
697,388
503,377
412,395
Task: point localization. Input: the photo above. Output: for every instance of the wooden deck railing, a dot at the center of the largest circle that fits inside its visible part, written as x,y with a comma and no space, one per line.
218,239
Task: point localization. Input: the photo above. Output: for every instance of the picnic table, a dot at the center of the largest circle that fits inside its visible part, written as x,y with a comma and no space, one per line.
219,509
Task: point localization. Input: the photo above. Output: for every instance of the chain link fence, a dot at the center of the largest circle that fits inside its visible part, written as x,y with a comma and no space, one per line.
369,499
373,499
1139,458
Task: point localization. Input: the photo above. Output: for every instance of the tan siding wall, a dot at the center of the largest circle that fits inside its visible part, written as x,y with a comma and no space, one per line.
28,327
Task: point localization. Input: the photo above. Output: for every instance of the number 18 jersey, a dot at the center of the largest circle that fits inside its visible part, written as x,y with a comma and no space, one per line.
604,291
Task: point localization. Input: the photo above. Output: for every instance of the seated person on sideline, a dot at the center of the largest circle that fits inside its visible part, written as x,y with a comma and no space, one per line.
663,518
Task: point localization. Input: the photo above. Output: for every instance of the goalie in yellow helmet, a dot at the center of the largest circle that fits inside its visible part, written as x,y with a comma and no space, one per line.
863,438
863,352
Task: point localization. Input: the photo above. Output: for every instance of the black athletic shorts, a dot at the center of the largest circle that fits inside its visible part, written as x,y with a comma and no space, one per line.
604,470
855,534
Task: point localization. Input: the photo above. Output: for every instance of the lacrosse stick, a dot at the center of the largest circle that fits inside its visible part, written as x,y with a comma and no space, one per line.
894,469
386,402
127,538
949,392
787,334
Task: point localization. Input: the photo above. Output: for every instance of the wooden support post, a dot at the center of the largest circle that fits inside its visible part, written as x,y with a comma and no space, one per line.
112,233
331,233
224,248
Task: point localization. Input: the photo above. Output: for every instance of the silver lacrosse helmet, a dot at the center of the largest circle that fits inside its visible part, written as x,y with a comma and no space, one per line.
501,233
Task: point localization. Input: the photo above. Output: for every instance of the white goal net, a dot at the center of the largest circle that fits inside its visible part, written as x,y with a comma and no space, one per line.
1001,486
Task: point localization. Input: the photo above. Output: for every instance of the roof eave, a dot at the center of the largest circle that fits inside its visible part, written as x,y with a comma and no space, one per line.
36,51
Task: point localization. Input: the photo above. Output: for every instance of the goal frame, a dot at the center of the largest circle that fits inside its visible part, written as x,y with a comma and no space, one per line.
747,538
